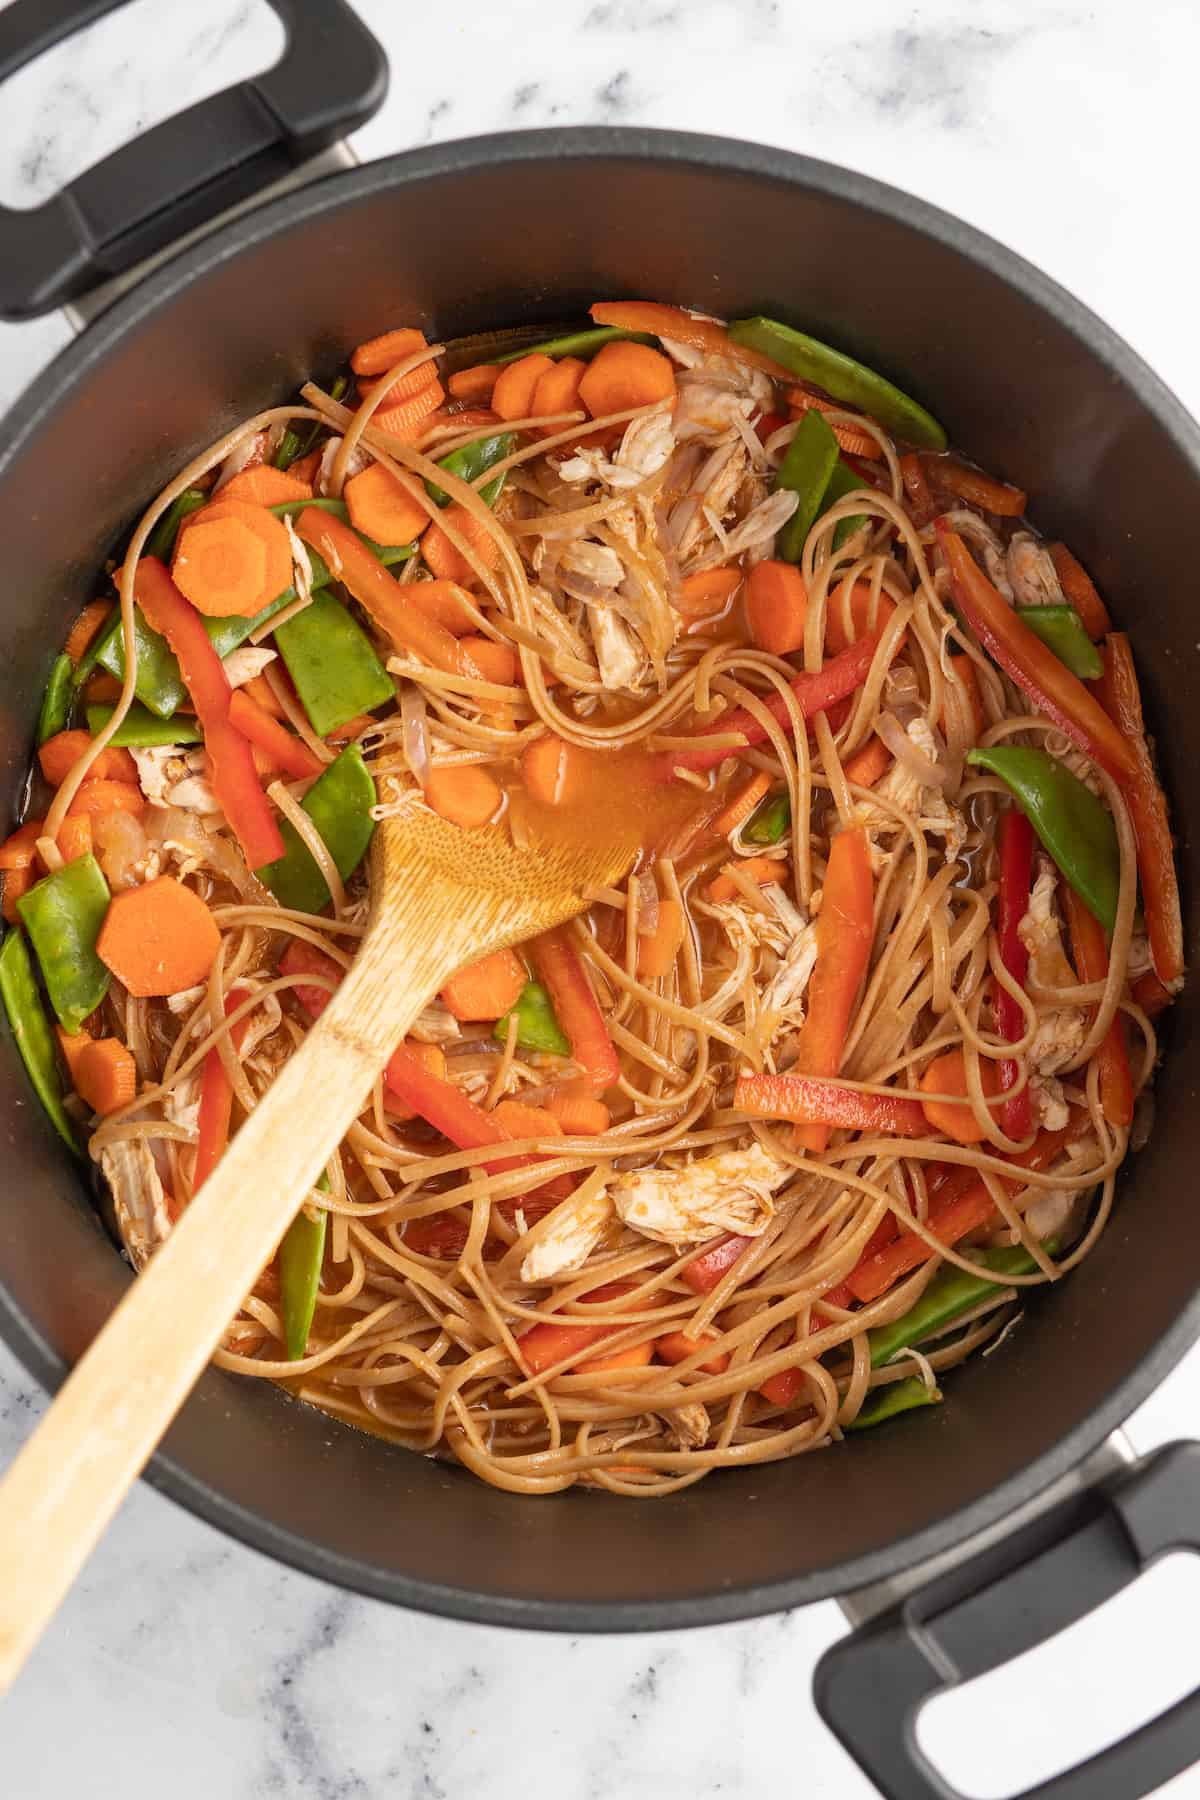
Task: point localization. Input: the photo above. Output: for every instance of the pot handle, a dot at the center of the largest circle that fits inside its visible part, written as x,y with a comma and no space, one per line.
176,177
1031,1584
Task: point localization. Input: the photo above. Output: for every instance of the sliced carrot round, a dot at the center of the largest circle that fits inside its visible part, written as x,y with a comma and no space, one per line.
378,354
268,531
776,607
557,390
466,796
158,938
444,560
383,507
266,486
553,771
221,567
512,396
623,375
851,614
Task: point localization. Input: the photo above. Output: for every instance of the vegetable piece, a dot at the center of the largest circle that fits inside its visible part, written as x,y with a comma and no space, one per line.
105,1075
75,837
408,419
96,797
712,1264
839,678
457,1117
305,959
561,972
57,699
83,632
1074,826
161,541
1036,670
287,450
1015,839
468,796
332,663
287,751
1081,591
59,754
576,343
921,502
262,485
845,927
512,395
760,869
448,563
852,612
652,317
477,382
1122,701
63,914
472,461
385,600
142,730
158,938
706,592
544,1345
579,1114
950,1219
31,1030
773,820
339,804
776,605
557,391
950,476
431,1057
851,438
947,1074
807,465
844,480
890,1401
964,668
232,767
232,559
447,604
1090,954
807,1100
496,662
866,766
677,1346
656,953
378,354
159,682
521,1120
486,989
951,1292
633,1356
1151,995
383,506
537,1026
840,376
623,375
216,1100
552,773
742,805
301,1254
1061,629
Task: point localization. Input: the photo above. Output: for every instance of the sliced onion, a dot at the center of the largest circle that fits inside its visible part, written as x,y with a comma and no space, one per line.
250,450
414,719
929,774
647,923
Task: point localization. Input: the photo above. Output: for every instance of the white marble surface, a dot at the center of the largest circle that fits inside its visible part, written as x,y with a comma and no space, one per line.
185,1664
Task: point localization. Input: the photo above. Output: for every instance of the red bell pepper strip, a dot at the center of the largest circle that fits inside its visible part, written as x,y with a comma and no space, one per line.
1151,995
1055,692
216,1099
234,781
839,678
704,1271
1090,951
1016,879
845,928
1119,695
546,1344
561,972
808,1100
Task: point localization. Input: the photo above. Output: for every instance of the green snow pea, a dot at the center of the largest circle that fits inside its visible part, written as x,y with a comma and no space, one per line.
537,1026
951,1292
333,664
31,1031
1075,827
576,343
339,804
142,730
288,450
161,541
300,1257
57,699
63,914
843,481
472,461
159,683
807,465
1061,630
770,821
843,378
897,1397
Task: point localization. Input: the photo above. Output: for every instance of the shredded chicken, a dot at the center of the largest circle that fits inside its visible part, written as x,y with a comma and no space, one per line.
435,1024
684,1205
139,1202
689,1425
247,661
1032,573
168,776
578,1226
1062,1029
927,805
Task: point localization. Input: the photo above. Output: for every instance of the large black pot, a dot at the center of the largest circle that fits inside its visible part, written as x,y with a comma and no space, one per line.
1028,382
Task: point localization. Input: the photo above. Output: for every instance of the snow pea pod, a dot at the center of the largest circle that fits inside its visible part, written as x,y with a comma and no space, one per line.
576,343
537,1024
951,1292
300,1256
771,820
288,450
897,1397
1061,629
339,804
472,461
842,377
843,481
807,465
1076,829
57,699
161,541
142,730
159,683
31,1031
63,914
333,664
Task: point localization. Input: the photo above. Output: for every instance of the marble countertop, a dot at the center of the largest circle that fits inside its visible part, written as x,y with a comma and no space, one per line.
185,1664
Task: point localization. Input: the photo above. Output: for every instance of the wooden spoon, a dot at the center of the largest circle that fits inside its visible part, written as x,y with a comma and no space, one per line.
441,897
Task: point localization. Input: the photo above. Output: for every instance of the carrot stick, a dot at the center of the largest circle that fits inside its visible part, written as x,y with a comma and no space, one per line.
432,1059
683,328
633,1356
972,485
623,375
947,1074
444,560
1090,951
216,1100
487,989
497,661
286,750
851,615
704,1271
75,837
468,796
384,507
845,927
676,1347
851,440
259,689
708,591
446,604
85,628
579,1114
105,1075
454,1114
1081,591
760,869
265,486
544,1345
742,805
475,383
657,952
158,938
776,605
920,497
968,675
378,354
562,974
867,765
59,754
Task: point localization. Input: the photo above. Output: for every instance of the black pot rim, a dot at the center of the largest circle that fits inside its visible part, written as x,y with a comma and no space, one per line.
596,143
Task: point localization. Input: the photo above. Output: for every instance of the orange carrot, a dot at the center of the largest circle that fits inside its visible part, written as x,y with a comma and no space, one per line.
708,591
468,796
742,805
1089,949
107,796
259,689
266,486
447,563
579,1114
59,754
158,938
683,328
657,952
232,557
633,1356
950,476
85,628
513,391
305,467
475,383
965,669
544,1345
105,1075
947,1074
216,1100
624,375
405,387
951,1217
17,881
557,390
72,1048
921,502
19,850
521,1121
561,972
1151,995
867,765
1081,591
430,1057
677,1346
75,837
845,927
384,507
287,751
851,615
446,603
350,728
760,869
486,989
378,354
498,662
776,604
552,771
849,437
409,418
